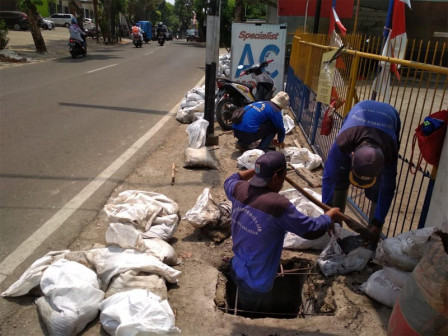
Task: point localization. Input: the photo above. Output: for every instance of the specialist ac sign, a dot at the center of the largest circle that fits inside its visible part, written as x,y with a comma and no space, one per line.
253,43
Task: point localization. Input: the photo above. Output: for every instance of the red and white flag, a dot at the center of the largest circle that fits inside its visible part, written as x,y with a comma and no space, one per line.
334,21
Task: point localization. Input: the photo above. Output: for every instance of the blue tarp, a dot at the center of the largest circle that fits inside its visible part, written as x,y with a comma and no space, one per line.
147,28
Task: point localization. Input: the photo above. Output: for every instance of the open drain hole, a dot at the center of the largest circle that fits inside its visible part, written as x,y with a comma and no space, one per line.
298,291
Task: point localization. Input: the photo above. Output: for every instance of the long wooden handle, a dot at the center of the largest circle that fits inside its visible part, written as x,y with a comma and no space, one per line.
351,223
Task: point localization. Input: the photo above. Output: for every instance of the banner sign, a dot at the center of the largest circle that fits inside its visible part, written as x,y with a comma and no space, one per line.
253,43
326,77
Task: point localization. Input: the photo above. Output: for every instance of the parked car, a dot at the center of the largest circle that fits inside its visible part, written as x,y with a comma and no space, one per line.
88,23
61,19
46,24
15,20
192,35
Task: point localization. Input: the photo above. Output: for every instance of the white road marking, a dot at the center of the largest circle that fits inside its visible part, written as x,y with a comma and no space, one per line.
109,66
26,249
152,52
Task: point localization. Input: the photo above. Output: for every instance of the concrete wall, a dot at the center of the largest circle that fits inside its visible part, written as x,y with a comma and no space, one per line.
438,209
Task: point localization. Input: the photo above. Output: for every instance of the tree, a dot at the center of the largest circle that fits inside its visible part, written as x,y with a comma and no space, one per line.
29,6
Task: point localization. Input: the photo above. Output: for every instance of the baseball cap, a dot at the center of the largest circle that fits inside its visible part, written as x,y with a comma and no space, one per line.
281,99
367,163
266,166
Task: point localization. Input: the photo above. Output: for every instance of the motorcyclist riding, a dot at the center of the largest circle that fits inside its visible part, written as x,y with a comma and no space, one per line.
77,33
161,29
137,31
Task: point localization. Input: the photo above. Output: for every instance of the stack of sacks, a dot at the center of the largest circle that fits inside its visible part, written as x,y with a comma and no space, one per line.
398,255
192,103
224,65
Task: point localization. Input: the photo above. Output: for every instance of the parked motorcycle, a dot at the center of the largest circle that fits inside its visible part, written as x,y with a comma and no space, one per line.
136,40
76,48
233,94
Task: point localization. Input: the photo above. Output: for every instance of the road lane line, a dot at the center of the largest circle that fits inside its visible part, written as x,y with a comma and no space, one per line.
26,249
109,66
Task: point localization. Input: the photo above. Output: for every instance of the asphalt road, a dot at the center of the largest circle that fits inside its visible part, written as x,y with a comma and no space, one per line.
64,127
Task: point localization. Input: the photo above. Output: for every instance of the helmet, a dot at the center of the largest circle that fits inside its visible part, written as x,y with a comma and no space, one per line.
74,21
160,24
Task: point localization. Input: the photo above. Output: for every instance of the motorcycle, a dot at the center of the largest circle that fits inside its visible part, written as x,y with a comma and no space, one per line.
234,94
136,40
161,38
76,48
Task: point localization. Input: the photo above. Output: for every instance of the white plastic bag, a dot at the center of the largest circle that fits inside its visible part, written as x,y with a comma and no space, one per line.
381,288
126,236
333,261
31,277
304,158
204,212
199,158
197,132
248,158
72,297
289,123
137,312
403,251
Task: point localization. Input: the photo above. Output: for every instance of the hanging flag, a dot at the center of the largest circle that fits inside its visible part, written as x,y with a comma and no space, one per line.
334,21
395,46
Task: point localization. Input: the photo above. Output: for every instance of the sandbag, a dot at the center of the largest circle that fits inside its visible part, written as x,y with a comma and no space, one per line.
204,212
381,288
197,132
422,305
199,158
138,280
72,297
333,261
31,277
248,158
125,236
403,251
162,250
137,312
304,158
113,260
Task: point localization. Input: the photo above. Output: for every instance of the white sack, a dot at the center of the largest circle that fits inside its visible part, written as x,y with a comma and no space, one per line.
125,236
248,158
199,158
113,260
138,280
162,250
163,227
187,103
403,251
197,132
397,276
31,277
72,297
381,289
204,211
289,123
137,312
193,96
199,90
185,116
304,158
333,261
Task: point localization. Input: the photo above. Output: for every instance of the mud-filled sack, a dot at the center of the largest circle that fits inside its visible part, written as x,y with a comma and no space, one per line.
333,260
125,236
192,103
304,158
403,251
162,250
197,132
138,280
199,158
248,158
382,289
204,212
137,312
31,277
71,298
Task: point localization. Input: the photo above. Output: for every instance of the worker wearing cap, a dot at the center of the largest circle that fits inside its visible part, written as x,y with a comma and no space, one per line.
365,154
260,219
262,120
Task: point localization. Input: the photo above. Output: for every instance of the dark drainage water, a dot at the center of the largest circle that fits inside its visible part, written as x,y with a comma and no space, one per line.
285,299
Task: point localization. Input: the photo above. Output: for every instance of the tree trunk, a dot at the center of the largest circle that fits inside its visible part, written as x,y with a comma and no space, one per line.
239,10
39,41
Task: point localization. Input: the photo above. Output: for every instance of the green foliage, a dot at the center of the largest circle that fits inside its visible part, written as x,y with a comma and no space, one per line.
227,13
4,39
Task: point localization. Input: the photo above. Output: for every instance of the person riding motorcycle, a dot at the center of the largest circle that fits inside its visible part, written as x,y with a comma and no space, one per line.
77,33
137,31
161,29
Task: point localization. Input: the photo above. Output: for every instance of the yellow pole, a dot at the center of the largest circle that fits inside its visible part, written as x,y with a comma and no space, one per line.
356,17
351,86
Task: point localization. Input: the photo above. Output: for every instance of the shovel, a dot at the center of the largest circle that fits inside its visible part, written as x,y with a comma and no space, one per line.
351,223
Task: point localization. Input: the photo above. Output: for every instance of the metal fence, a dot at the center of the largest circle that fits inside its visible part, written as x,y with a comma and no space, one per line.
421,90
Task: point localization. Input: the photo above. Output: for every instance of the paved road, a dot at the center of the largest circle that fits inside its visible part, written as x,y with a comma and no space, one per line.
64,126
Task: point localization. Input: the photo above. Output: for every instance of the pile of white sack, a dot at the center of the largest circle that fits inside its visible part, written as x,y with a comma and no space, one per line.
224,65
398,255
191,105
125,280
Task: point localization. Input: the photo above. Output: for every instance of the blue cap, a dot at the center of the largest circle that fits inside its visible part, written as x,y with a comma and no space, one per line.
367,164
266,166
